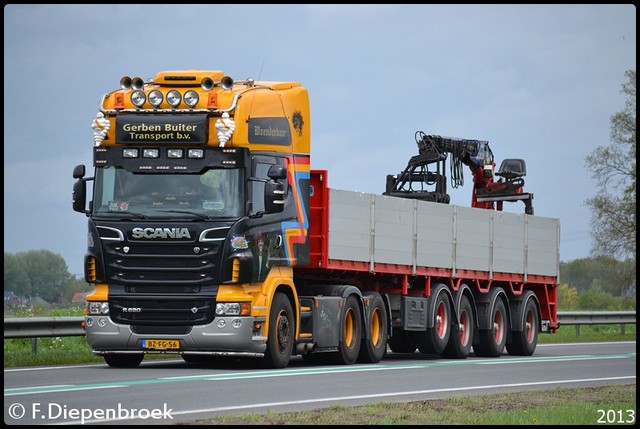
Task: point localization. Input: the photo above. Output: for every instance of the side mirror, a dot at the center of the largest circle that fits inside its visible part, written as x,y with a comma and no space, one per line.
274,190
274,197
79,171
277,172
79,198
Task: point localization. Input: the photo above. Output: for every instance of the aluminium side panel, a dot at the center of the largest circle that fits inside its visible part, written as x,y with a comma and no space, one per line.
434,237
349,225
473,238
393,221
508,242
543,235
377,228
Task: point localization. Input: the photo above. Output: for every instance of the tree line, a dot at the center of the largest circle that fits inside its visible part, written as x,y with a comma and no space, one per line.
597,283
613,166
40,273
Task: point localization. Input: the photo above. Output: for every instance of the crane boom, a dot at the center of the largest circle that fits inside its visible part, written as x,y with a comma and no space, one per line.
424,177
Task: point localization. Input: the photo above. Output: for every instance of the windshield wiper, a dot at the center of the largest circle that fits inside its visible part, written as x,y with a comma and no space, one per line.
200,215
131,214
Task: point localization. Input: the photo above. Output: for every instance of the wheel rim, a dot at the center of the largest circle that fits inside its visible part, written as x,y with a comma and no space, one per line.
283,331
465,332
498,327
348,328
375,327
441,320
529,329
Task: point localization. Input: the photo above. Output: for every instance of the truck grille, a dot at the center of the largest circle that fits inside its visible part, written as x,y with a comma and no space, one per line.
173,284
147,264
167,311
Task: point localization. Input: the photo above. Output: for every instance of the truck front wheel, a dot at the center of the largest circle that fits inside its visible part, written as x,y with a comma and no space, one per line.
281,333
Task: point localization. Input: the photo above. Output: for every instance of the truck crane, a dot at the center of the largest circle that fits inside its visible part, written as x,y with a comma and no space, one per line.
424,177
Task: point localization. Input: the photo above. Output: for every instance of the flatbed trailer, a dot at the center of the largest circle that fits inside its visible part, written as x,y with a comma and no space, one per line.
407,250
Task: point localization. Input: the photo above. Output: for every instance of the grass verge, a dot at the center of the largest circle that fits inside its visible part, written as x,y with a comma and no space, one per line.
605,405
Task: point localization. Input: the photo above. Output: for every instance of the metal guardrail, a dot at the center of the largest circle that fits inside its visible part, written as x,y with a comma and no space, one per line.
31,327
34,327
578,318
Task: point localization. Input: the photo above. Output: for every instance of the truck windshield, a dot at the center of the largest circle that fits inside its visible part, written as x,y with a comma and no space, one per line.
215,193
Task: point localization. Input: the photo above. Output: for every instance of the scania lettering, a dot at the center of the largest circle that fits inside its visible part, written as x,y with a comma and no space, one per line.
210,236
160,233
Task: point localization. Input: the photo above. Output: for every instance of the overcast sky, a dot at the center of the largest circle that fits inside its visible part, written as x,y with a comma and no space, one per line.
539,82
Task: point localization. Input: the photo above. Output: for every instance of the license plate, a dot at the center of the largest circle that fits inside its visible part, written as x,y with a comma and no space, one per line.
161,344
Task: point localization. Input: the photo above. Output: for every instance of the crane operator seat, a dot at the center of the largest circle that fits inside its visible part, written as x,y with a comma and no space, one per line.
512,168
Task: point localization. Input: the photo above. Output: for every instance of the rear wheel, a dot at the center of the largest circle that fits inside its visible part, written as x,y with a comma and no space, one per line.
373,348
491,342
123,360
461,338
435,339
281,333
350,332
524,342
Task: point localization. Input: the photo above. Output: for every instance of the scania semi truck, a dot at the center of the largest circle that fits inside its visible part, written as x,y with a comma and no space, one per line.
211,237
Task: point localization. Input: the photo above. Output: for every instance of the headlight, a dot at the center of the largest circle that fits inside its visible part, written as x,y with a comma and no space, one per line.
191,98
99,307
195,153
173,98
155,98
175,153
138,98
233,309
130,153
150,153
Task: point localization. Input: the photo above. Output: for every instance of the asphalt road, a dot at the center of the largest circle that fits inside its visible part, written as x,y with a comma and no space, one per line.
172,391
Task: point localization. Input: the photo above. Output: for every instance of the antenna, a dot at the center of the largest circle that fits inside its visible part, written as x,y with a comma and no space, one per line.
254,94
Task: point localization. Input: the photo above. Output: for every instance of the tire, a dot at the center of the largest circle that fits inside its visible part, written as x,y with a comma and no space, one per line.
373,348
350,332
491,342
402,342
434,340
123,360
524,342
461,338
281,333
